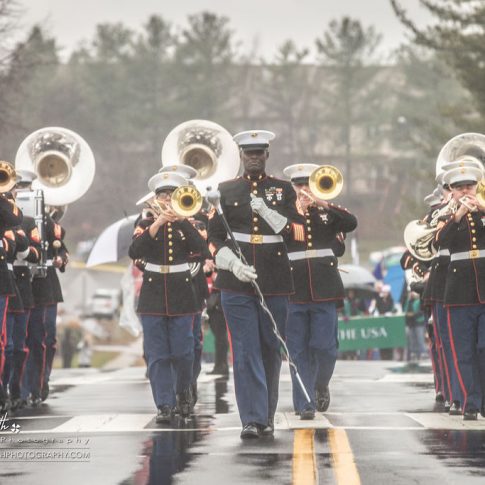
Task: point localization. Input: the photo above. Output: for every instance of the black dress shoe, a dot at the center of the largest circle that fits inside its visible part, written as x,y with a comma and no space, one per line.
447,406
45,391
439,397
183,403
307,414
455,409
250,431
164,415
323,399
36,401
267,430
470,415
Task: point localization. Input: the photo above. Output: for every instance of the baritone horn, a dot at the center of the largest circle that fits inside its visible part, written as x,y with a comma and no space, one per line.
186,201
326,182
8,177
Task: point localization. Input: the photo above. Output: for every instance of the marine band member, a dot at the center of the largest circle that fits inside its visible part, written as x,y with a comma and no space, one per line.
167,303
312,323
259,210
463,234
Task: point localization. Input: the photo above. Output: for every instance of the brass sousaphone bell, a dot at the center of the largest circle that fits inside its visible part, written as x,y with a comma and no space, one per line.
326,182
8,177
63,162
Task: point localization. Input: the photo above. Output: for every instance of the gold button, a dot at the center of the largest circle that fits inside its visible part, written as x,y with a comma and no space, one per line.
472,224
474,231
236,203
474,246
255,184
310,244
256,228
274,202
279,253
474,239
170,243
308,221
170,236
156,238
169,224
331,263
255,219
454,270
169,229
149,279
170,258
309,236
170,251
186,279
255,192
309,228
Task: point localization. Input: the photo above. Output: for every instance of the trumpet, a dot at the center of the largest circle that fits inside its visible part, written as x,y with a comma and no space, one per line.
325,183
185,201
8,177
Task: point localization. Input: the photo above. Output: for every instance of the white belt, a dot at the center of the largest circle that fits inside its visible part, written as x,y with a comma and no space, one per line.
166,268
19,262
310,253
49,262
257,238
10,266
472,254
1,243
443,252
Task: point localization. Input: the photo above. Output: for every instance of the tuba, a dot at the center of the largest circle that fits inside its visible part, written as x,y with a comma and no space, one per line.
419,235
63,162
8,177
205,146
326,182
471,144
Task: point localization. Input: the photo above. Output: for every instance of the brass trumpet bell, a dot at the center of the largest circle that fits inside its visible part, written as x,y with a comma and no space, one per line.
8,177
326,182
186,201
480,195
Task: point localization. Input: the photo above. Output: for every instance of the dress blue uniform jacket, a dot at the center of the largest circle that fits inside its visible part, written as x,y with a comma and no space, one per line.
270,260
318,279
178,242
10,216
465,281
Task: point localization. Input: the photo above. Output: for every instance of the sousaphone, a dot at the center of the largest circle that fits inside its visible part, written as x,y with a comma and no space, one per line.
63,162
205,146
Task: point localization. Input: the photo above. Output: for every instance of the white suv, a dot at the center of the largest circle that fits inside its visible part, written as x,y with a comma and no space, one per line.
106,303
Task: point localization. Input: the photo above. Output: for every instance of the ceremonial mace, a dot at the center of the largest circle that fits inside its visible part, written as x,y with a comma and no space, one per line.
213,197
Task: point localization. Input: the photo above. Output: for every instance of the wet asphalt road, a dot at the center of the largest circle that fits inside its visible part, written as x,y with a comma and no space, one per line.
98,428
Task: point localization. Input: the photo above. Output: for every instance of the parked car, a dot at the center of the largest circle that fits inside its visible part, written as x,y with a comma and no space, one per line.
106,303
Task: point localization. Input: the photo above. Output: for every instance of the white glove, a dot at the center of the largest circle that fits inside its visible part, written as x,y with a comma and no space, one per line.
226,259
22,254
275,220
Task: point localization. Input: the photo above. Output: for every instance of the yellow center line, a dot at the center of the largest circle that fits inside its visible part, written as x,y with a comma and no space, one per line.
342,458
304,461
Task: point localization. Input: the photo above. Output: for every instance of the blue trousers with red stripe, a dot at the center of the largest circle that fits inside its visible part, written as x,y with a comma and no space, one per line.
311,336
256,350
467,337
451,388
168,346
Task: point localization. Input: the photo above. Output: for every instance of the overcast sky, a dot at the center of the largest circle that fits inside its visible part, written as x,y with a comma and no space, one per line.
267,22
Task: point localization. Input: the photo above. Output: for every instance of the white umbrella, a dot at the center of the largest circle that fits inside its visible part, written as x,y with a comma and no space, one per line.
354,276
113,243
